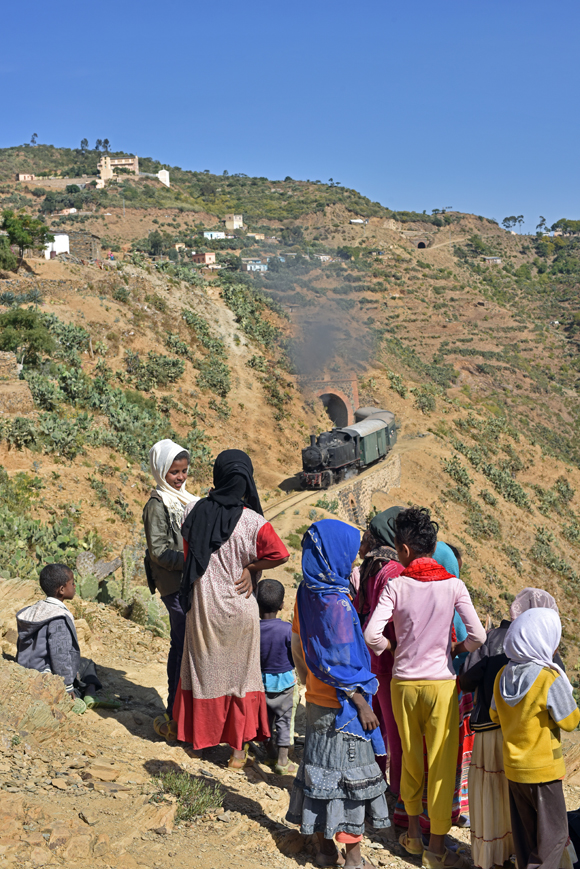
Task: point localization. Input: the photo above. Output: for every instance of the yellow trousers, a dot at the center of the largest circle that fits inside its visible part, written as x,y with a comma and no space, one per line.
430,710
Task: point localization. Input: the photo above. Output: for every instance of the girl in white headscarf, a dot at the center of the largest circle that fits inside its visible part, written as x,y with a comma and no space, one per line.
532,701
164,561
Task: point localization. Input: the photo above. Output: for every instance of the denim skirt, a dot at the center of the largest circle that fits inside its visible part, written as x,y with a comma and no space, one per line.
339,784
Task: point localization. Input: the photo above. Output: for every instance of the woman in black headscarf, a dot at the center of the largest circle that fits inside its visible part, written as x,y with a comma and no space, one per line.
227,543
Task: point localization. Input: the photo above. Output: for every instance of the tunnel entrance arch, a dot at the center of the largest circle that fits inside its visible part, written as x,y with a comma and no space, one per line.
336,408
421,245
338,394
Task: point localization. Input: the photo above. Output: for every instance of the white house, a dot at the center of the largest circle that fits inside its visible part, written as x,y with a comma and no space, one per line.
358,221
211,234
59,245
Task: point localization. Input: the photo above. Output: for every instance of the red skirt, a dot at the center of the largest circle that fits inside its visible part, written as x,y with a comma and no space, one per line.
234,720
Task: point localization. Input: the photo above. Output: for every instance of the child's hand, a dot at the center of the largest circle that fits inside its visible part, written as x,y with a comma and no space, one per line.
244,584
366,716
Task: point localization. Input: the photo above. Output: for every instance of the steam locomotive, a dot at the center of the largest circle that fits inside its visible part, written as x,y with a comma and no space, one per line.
344,452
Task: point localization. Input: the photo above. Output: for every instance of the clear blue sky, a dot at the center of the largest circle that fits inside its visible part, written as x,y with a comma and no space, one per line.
471,104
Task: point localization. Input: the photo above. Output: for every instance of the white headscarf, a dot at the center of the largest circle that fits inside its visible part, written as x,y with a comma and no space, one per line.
530,644
530,598
161,457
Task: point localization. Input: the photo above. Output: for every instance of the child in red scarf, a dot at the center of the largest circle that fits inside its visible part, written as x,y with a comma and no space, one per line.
421,603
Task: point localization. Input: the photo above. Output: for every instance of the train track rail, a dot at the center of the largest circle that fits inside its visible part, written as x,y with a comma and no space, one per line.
290,501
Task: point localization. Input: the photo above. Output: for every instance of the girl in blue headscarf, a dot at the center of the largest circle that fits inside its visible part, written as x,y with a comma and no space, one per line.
339,783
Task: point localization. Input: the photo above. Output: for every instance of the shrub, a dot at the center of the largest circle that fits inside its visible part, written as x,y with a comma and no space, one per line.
203,333
424,400
456,471
325,504
295,541
481,525
572,533
157,302
542,553
397,383
173,342
486,496
8,260
26,545
194,796
514,557
26,333
46,393
248,306
121,294
214,375
156,370
258,363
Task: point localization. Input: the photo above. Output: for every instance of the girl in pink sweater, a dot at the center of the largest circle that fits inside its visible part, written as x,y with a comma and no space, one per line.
421,603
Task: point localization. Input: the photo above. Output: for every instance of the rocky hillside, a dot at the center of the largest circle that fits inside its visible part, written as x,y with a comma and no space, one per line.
479,359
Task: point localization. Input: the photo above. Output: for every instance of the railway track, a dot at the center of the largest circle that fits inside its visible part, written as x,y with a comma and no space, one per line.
290,501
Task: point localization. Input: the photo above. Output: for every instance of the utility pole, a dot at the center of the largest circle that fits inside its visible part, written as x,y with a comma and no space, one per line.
123,208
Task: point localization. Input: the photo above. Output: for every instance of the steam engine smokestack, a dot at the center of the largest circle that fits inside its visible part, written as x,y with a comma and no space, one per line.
312,440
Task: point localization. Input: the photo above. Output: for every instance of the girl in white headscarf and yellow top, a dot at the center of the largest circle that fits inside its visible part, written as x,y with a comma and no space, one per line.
532,701
162,519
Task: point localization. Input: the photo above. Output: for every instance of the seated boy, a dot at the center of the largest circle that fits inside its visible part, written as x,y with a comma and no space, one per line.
277,668
47,638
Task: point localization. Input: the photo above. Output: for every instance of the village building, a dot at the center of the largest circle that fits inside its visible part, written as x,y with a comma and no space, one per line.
323,257
24,177
259,236
253,265
213,234
61,244
179,246
492,260
107,166
204,258
234,221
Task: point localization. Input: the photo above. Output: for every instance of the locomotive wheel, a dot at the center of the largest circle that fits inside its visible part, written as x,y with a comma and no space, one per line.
327,480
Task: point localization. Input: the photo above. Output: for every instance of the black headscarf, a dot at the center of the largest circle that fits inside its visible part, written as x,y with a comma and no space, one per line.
213,519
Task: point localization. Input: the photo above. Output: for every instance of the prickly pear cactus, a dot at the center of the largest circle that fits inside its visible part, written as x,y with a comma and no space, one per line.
88,587
110,590
128,565
148,611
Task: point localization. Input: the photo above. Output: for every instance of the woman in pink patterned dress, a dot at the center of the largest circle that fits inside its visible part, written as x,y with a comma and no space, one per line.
227,543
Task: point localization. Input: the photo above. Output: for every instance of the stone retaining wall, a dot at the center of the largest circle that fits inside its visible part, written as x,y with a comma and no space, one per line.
355,497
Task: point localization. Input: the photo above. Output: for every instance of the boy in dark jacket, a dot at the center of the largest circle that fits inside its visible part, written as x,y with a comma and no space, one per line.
47,638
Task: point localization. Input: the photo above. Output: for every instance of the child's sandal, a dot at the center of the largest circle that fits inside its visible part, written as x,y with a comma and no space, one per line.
290,768
239,762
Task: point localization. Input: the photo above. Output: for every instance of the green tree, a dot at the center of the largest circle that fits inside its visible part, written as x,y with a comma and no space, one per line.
98,144
156,243
72,188
106,145
7,259
24,332
25,232
84,145
34,139
509,222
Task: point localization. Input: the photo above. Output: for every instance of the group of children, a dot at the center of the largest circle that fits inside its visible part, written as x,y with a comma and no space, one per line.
378,648
407,602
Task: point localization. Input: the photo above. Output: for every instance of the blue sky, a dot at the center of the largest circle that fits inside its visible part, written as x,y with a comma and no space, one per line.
418,105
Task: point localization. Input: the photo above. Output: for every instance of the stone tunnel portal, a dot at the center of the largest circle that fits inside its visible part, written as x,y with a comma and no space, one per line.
336,409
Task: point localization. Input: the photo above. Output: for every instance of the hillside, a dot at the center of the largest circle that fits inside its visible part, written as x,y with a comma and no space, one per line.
480,361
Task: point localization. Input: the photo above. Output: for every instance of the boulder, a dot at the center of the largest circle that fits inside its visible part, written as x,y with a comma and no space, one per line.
31,702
